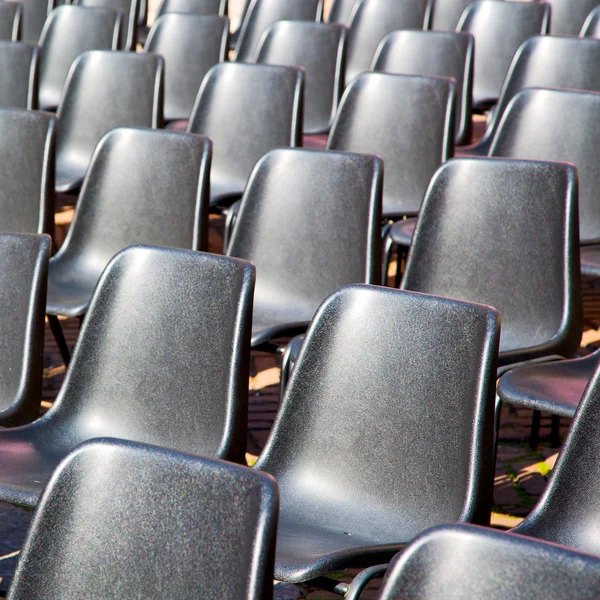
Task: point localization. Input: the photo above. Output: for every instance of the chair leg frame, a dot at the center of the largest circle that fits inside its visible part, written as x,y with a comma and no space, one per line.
358,584
59,337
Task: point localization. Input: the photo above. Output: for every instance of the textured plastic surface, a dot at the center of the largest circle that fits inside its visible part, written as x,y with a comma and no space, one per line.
437,53
143,187
246,110
310,222
319,49
18,75
191,45
360,448
341,11
69,32
10,21
262,13
555,125
446,14
33,18
568,16
481,217
124,520
591,26
129,9
372,20
405,119
499,28
147,367
464,562
104,90
203,8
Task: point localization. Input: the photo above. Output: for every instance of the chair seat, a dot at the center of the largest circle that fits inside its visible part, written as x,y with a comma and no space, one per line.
402,231
225,191
271,322
69,297
555,387
590,260
68,180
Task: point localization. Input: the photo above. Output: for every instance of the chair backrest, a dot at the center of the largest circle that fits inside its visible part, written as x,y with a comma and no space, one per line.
33,18
371,21
18,75
405,119
568,16
261,13
548,62
203,8
23,304
465,562
591,26
259,104
555,125
485,217
171,329
10,21
26,171
446,14
128,36
322,211
445,54
105,90
69,32
191,45
341,11
356,426
183,527
499,29
319,49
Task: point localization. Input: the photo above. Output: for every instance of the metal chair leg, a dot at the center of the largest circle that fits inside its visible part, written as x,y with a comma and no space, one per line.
534,436
59,337
359,583
555,432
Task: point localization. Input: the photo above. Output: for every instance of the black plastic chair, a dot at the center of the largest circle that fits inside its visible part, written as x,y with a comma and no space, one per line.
22,303
499,29
322,212
246,110
191,45
164,525
320,49
162,358
438,53
341,11
33,18
104,90
568,16
464,562
405,119
69,32
371,21
10,21
18,75
262,13
128,37
202,8
446,14
547,62
591,26
362,420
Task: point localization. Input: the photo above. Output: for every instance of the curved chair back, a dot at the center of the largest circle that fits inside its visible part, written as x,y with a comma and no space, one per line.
465,562
479,214
26,172
202,8
548,62
405,119
10,21
129,8
371,21
446,14
591,26
568,16
191,45
219,518
319,49
341,11
22,302
261,13
33,18
69,32
499,29
555,125
322,211
104,90
259,104
445,54
18,75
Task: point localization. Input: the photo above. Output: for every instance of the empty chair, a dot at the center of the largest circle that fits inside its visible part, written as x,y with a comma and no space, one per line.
69,32
591,26
362,421
445,54
322,211
246,110
129,9
341,11
166,377
191,45
219,518
18,75
446,14
261,13
405,119
104,90
371,21
10,21
568,16
319,49
33,18
499,28
22,302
